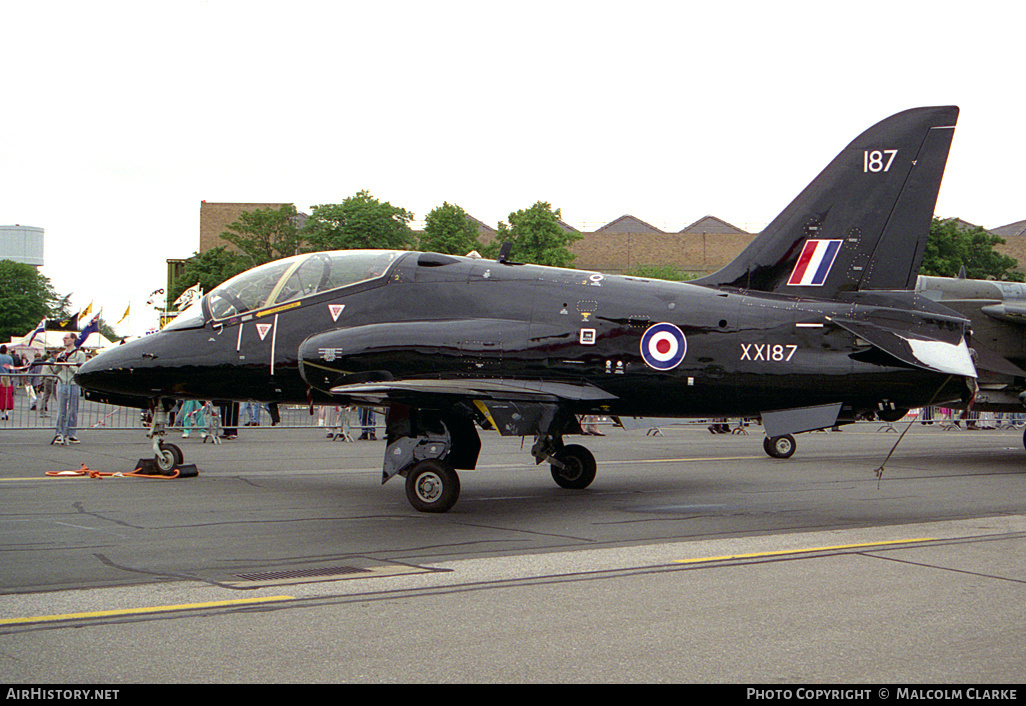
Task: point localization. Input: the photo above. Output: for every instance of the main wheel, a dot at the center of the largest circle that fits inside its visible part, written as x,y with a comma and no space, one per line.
578,467
432,486
169,457
780,446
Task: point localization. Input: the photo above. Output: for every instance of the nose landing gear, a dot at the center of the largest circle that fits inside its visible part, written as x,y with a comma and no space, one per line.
168,459
168,456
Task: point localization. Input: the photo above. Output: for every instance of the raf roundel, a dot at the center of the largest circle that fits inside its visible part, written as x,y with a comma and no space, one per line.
663,346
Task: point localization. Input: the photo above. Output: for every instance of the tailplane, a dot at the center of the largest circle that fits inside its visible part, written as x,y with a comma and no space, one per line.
862,223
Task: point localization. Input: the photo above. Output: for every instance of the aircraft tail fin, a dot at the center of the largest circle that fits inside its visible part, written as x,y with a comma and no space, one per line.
862,223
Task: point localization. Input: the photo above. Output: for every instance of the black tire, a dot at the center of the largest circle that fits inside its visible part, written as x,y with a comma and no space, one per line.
169,457
780,446
432,486
579,470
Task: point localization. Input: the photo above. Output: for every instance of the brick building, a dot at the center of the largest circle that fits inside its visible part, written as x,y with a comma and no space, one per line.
1014,235
704,246
625,243
216,217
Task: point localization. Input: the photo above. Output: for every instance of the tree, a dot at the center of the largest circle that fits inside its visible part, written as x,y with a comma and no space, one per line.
952,245
209,269
538,237
266,234
448,229
107,331
26,296
667,272
361,221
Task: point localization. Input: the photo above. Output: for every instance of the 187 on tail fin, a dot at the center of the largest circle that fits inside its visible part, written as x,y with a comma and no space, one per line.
862,223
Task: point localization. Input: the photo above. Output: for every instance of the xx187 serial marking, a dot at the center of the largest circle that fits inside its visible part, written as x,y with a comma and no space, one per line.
776,353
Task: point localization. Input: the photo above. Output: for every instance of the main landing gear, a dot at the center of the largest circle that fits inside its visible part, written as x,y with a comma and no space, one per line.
427,447
780,446
432,485
573,467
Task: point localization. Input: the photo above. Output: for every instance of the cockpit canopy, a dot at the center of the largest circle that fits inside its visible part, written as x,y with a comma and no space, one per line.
286,280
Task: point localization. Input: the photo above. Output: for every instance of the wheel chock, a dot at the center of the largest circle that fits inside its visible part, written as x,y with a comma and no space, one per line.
148,466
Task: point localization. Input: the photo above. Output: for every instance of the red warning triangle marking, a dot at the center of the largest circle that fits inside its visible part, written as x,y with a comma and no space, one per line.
262,329
335,310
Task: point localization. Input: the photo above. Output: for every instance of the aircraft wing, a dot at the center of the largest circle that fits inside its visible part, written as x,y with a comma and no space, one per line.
475,388
511,407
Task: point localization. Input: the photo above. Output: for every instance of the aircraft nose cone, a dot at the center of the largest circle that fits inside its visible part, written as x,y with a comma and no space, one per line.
113,371
92,372
97,374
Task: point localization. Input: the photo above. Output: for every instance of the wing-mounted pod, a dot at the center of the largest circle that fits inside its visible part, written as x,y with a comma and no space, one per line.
862,223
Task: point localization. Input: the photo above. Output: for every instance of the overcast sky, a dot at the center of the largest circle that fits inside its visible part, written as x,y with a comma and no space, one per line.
119,118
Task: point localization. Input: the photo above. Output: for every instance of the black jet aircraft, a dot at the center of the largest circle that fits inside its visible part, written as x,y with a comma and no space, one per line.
811,326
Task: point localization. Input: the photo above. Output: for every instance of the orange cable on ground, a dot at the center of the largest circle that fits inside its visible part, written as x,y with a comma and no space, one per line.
86,471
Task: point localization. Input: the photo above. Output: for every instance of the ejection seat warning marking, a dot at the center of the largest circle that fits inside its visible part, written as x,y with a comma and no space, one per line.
278,309
774,353
805,550
335,310
262,329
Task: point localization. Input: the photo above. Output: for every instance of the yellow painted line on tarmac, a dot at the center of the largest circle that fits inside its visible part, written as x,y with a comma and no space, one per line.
140,611
684,460
809,550
48,478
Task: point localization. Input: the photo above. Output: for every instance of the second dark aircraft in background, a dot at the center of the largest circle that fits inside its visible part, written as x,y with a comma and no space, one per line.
811,326
997,311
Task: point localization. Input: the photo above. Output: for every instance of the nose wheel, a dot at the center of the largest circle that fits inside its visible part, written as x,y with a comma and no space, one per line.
168,457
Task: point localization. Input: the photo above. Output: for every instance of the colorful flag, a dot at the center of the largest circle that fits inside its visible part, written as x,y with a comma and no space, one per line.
39,329
127,309
92,327
190,295
70,324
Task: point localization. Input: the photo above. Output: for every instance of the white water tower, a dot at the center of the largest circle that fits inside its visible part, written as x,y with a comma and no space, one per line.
22,244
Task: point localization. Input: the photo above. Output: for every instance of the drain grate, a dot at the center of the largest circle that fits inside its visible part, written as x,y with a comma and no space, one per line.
303,573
